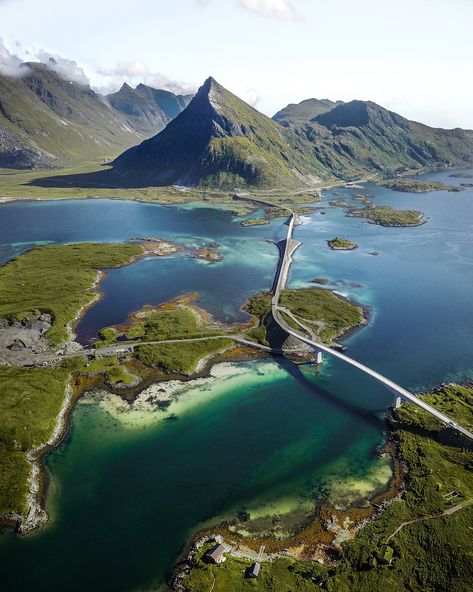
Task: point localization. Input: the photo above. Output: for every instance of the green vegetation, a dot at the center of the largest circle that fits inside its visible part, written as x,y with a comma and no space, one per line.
277,212
113,372
254,222
158,324
334,313
30,400
233,146
417,185
360,137
432,552
64,184
283,575
387,216
325,313
182,357
57,279
342,244
48,120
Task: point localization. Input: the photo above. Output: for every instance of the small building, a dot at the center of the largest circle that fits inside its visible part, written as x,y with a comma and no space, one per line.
253,571
216,555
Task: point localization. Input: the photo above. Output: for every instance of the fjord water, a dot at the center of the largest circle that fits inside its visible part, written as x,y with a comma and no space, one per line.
128,490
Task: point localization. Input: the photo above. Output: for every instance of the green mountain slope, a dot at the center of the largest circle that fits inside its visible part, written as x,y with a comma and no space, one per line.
220,141
359,137
48,121
300,113
148,110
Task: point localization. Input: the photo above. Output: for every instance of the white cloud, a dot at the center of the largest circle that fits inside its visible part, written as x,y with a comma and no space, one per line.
10,64
280,9
65,68
133,72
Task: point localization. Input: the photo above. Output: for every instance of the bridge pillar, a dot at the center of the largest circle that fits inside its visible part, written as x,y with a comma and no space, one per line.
397,402
318,357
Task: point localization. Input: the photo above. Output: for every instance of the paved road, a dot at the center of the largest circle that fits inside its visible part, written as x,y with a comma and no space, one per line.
126,346
290,245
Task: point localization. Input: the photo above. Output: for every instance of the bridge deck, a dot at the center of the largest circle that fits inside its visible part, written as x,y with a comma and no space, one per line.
280,283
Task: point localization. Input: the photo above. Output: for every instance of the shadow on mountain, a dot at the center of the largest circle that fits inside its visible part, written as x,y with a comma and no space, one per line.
105,179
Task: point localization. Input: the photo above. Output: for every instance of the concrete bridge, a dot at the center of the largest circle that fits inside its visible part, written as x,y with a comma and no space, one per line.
288,247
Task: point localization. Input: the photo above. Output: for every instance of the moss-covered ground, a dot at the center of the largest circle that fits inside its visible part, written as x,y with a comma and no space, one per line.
324,312
417,185
30,400
57,279
342,244
284,575
180,357
433,552
387,216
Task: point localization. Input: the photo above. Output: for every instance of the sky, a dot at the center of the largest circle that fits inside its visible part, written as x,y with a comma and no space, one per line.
412,56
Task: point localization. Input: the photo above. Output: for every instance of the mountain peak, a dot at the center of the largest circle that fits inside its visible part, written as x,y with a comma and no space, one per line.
125,87
218,140
359,113
301,113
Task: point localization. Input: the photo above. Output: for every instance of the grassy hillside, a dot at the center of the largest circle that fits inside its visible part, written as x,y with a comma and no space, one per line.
56,279
303,112
48,121
30,400
360,137
221,141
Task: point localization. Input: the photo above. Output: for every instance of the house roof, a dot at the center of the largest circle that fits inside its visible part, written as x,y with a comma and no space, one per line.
217,552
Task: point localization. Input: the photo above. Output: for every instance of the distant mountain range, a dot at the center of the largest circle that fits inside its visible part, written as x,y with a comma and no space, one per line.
148,110
220,141
46,120
213,139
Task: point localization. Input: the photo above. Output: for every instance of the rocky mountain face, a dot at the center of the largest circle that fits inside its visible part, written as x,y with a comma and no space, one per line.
213,140
147,109
297,114
220,141
359,137
48,121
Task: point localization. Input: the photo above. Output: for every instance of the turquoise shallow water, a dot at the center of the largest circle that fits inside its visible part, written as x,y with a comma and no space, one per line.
127,489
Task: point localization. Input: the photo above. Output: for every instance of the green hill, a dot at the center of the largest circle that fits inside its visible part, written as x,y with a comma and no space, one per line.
219,140
360,136
48,121
300,113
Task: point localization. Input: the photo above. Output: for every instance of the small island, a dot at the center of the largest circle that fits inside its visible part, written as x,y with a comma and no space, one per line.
254,222
276,212
387,216
341,244
156,246
327,316
211,255
417,186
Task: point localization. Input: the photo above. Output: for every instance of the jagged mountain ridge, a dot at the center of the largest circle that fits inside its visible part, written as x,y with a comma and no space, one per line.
219,140
148,109
48,121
